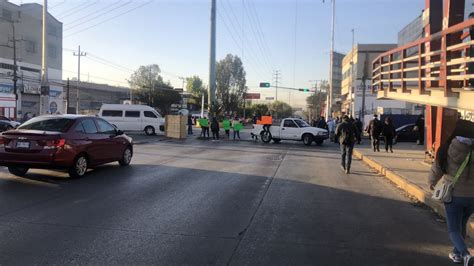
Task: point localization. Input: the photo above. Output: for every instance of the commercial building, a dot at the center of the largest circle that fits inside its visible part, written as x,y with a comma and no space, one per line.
25,23
357,67
93,95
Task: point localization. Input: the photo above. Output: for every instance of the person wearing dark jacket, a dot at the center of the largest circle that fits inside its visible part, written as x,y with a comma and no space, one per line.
420,129
215,129
346,134
457,151
190,124
322,123
374,129
389,134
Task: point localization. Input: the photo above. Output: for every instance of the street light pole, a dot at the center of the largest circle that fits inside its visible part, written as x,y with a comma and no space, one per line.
352,76
212,57
79,55
331,64
44,96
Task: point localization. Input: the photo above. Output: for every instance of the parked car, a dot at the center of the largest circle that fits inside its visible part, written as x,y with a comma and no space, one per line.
133,117
65,142
5,125
14,124
405,133
292,129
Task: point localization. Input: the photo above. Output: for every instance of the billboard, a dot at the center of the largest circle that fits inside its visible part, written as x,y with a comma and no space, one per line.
252,96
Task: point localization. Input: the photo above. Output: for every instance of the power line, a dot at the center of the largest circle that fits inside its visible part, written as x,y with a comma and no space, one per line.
81,4
243,38
106,20
262,51
253,57
66,14
257,70
259,29
90,17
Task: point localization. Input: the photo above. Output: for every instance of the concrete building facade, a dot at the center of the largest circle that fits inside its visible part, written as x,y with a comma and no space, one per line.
26,20
354,63
93,95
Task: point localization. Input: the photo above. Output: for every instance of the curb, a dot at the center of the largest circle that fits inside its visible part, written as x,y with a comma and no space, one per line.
410,188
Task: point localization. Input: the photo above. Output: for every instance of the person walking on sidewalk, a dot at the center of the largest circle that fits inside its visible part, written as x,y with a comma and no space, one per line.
190,124
389,134
215,128
346,134
455,159
374,129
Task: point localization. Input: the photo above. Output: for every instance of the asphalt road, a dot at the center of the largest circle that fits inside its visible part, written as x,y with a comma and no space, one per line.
199,202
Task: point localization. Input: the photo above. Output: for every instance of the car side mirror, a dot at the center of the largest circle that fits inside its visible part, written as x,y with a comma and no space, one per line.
119,132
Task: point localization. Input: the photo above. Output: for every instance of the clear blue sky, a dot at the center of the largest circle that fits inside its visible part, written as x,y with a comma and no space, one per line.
175,35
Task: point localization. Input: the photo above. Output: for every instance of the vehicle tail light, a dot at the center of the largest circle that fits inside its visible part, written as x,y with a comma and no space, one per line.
54,144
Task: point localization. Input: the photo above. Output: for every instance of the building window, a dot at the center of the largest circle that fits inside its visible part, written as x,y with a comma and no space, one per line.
6,66
30,47
52,51
53,30
7,15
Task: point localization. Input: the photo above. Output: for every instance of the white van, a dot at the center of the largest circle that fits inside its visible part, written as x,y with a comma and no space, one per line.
133,117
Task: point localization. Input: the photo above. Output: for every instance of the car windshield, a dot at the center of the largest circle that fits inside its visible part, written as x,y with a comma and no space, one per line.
301,123
48,124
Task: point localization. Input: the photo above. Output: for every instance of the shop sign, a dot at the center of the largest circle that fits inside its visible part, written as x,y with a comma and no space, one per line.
6,88
31,89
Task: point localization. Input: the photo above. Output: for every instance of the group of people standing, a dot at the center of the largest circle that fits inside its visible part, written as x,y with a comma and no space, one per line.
377,129
228,124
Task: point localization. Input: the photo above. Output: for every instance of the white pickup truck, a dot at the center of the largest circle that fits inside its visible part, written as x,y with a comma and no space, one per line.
292,129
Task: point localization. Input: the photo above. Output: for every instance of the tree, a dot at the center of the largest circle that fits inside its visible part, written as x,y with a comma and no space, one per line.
316,101
280,109
231,83
195,86
150,88
260,109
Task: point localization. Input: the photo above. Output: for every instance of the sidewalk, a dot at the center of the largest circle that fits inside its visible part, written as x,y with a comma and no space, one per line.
407,169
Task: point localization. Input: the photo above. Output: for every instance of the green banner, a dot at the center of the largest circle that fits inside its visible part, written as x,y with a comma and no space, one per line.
203,122
226,124
238,126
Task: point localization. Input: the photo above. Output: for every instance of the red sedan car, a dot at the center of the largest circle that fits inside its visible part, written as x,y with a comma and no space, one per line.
66,142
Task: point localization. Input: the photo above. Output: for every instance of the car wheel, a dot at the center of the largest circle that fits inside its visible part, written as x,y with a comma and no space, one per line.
79,168
126,157
266,136
18,171
149,130
276,140
307,139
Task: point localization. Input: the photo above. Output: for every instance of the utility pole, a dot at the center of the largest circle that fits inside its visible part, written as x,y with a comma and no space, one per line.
352,76
79,54
276,77
331,64
67,96
44,96
212,57
364,79
184,81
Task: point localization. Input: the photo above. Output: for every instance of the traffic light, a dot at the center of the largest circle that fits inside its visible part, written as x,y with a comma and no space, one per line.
304,90
265,85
